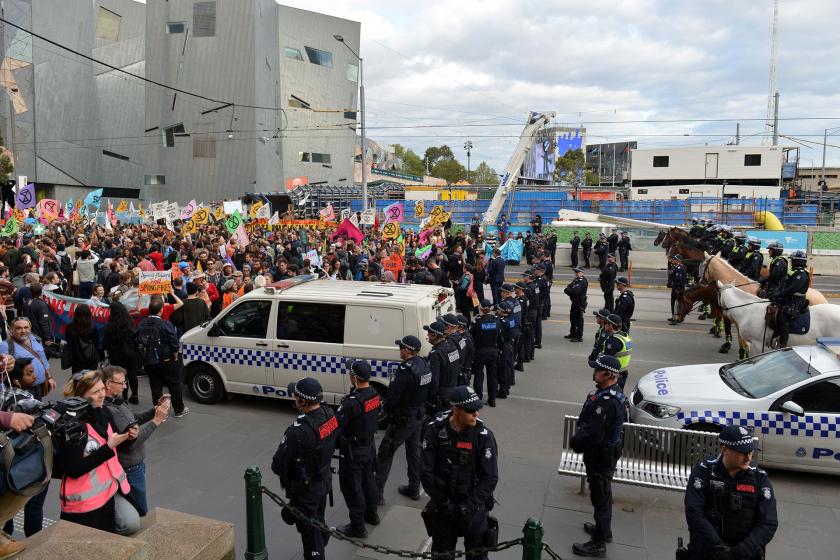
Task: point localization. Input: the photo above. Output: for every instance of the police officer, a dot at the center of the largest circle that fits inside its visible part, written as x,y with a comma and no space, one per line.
486,331
607,281
302,461
454,336
404,402
753,260
508,292
459,473
736,256
695,228
676,281
358,417
624,249
601,250
612,241
601,333
729,504
576,290
777,272
467,347
619,344
586,246
598,437
728,243
575,243
625,303
525,339
791,296
544,285
532,317
505,366
445,363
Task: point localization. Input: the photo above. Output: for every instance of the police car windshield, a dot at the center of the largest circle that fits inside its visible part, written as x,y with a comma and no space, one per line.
765,374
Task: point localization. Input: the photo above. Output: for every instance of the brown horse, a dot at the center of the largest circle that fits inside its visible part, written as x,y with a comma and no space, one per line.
707,293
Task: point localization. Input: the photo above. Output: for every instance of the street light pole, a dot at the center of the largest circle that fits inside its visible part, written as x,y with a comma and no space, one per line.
340,39
825,142
468,146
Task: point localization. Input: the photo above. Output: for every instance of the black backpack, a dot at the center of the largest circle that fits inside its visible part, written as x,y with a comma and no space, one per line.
65,266
148,342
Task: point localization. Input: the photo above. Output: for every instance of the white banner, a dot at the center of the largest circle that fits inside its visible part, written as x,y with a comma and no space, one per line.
368,217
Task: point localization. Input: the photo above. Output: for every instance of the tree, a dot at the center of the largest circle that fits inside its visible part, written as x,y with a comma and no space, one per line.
484,175
450,170
434,154
571,170
411,162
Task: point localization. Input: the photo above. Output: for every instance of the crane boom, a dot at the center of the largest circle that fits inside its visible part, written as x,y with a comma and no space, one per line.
535,122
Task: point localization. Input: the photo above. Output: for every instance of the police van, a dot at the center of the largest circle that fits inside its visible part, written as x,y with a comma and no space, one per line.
305,327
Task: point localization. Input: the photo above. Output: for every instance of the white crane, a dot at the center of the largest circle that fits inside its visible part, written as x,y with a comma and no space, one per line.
770,124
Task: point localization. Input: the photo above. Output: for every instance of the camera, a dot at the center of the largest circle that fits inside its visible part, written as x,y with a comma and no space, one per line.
65,419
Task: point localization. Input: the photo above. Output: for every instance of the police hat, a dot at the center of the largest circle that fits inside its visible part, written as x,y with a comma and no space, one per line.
603,313
528,273
614,319
462,320
486,303
464,397
307,388
610,255
738,438
677,257
359,368
507,287
450,320
521,285
622,280
577,269
605,362
436,327
411,342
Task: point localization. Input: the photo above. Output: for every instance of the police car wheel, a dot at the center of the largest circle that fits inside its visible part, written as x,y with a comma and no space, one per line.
205,385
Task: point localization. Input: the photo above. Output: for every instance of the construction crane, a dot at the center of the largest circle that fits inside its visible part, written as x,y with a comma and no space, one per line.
772,98
535,122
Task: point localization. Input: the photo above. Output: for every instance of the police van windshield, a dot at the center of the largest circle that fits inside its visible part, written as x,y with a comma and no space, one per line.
765,374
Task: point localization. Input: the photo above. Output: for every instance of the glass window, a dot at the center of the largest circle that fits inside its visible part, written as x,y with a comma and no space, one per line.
169,134
766,374
319,57
752,160
350,115
249,319
107,24
154,179
641,191
660,161
298,103
321,158
353,72
304,156
819,397
293,53
311,322
176,27
204,19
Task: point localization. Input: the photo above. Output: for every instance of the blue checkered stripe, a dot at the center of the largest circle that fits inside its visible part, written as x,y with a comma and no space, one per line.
297,361
776,423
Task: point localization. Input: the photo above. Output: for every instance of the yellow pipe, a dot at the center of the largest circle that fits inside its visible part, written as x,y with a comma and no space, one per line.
770,221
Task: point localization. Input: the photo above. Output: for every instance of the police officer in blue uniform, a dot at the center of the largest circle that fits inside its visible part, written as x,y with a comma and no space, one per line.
505,367
526,338
754,260
791,296
456,338
607,281
730,505
598,437
777,271
516,311
358,418
460,473
576,290
542,290
404,403
546,269
532,316
625,303
601,334
445,362
486,332
575,243
677,278
302,461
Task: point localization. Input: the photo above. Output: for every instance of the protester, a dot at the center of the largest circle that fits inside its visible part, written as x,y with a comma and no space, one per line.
83,344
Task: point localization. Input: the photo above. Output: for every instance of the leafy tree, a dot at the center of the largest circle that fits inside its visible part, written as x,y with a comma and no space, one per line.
570,170
592,177
434,154
411,162
484,175
450,170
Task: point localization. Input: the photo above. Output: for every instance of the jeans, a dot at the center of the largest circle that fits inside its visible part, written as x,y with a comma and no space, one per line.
136,476
33,515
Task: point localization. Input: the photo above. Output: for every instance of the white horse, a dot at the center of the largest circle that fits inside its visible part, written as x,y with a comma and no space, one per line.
748,312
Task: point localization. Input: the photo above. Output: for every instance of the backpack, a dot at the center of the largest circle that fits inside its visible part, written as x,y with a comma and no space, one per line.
65,266
148,342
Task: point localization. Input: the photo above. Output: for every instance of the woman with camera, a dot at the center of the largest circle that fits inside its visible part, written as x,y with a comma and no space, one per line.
95,486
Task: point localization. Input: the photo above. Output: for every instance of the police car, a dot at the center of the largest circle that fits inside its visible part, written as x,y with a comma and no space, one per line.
790,398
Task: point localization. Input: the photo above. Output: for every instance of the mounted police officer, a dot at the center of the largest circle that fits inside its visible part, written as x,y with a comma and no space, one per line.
460,473
302,461
598,437
677,277
619,344
601,334
791,296
777,271
696,228
728,243
739,251
358,417
576,290
730,506
486,332
607,281
407,395
445,363
625,303
753,260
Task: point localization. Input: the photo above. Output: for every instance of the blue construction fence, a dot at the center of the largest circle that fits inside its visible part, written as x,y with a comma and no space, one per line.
737,212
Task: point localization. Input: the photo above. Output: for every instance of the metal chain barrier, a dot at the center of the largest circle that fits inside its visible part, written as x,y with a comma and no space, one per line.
550,552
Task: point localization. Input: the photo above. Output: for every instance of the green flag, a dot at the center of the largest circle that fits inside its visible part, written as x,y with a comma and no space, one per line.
11,227
233,221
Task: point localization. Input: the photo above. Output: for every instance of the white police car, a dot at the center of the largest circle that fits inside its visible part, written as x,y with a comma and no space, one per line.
790,398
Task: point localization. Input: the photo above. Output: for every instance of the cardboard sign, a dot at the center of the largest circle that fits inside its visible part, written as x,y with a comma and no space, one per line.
368,217
232,206
201,216
391,230
394,263
394,212
188,210
419,209
155,282
159,210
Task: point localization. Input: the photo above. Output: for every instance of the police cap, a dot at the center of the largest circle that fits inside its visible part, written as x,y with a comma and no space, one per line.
359,368
464,397
603,313
605,362
462,320
411,342
738,438
615,319
450,320
622,280
528,273
610,256
486,303
577,269
677,257
521,285
436,327
507,287
307,388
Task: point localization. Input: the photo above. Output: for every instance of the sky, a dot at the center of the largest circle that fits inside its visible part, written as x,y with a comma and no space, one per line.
442,72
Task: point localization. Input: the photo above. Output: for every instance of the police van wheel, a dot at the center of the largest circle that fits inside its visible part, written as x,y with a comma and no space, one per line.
206,386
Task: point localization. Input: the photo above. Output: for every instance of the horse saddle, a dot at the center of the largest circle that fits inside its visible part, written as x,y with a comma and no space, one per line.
800,323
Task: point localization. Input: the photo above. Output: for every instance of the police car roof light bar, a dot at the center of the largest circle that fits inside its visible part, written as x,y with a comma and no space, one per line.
283,285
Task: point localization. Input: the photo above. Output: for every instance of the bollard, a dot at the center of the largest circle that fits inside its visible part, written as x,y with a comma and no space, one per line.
532,535
255,525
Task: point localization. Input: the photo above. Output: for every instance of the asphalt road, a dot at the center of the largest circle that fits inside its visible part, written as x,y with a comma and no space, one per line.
196,464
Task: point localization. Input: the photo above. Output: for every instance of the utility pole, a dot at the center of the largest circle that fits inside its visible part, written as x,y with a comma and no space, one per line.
613,167
776,119
468,145
737,134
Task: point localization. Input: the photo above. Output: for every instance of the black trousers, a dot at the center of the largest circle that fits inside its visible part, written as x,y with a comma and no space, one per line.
546,303
537,328
357,480
675,295
312,504
486,358
599,477
576,319
609,300
445,530
574,256
586,255
506,368
167,374
400,433
624,259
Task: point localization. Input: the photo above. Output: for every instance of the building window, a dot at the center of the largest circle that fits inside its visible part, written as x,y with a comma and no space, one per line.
752,160
319,57
352,72
154,179
684,191
350,115
107,24
297,102
304,156
293,53
204,19
660,161
641,191
204,145
176,27
169,134
314,157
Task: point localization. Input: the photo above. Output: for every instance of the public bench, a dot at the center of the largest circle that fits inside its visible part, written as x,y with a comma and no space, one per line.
651,456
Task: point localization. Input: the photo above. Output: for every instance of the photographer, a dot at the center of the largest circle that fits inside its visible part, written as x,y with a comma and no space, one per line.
94,485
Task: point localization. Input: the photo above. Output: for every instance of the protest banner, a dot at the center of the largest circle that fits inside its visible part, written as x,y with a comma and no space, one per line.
368,217
231,206
159,210
122,206
201,216
62,309
391,230
419,209
188,210
256,208
394,263
233,221
155,282
218,213
394,212
25,197
189,227
314,258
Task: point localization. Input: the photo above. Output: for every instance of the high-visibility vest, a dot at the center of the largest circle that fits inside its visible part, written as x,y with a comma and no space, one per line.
93,489
626,351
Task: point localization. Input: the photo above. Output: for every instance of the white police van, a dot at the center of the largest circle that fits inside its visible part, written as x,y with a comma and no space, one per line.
304,327
790,398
